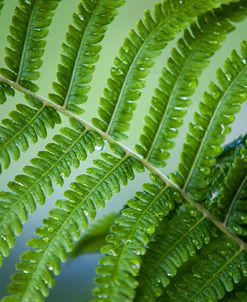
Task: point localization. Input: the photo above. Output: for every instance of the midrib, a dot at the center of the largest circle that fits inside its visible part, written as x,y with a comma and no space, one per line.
234,201
63,226
128,77
176,243
84,38
23,55
209,280
130,152
133,229
40,179
205,136
12,138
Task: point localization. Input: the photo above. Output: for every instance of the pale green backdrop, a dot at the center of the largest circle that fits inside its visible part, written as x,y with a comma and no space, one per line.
76,280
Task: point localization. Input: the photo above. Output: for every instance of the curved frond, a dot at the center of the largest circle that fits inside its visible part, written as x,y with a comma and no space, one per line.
227,176
128,241
51,166
178,83
137,56
65,224
94,238
211,125
216,271
182,238
186,233
236,218
81,52
28,31
26,124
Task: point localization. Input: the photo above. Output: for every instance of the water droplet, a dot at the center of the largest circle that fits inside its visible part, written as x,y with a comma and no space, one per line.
192,84
193,213
99,147
205,170
206,239
216,94
150,230
117,71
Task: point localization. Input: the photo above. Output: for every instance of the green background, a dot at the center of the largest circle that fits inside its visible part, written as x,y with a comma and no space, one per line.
75,282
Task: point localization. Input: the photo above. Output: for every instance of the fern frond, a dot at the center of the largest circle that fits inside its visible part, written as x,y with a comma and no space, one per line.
128,241
236,218
94,238
186,233
65,224
5,90
1,5
137,56
51,166
28,31
226,178
211,125
81,52
26,124
216,272
177,84
240,296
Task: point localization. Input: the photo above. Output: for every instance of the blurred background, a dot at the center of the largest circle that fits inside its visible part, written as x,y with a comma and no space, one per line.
76,280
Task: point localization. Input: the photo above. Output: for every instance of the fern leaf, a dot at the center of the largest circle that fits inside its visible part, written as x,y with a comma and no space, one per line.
226,179
128,241
178,83
1,5
26,124
5,90
137,56
51,166
65,224
240,296
236,218
81,52
211,125
215,273
183,236
94,238
29,28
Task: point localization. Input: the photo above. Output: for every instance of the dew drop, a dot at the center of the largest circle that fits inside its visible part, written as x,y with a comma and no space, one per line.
99,147
150,230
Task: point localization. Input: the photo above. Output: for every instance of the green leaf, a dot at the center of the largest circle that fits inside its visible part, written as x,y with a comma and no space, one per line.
81,52
240,296
227,177
65,224
137,56
178,83
94,238
26,125
26,41
5,90
50,167
211,125
183,236
216,272
128,241
236,218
